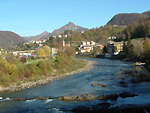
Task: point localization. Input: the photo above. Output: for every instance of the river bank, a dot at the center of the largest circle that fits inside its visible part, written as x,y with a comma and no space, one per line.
76,92
45,80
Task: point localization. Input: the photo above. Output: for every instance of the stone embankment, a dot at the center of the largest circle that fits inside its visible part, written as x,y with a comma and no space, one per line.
46,79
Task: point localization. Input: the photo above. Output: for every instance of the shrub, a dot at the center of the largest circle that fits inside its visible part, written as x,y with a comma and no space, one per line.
43,66
10,58
32,57
23,59
70,51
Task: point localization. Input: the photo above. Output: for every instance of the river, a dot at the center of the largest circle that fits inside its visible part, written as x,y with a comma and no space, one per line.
105,71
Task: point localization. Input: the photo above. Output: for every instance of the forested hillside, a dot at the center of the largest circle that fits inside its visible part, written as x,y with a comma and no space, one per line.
127,18
137,36
138,29
99,35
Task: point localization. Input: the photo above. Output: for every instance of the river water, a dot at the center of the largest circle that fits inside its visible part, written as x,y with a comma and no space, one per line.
105,71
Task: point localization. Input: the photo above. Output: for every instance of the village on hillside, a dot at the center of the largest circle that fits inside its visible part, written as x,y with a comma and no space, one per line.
109,49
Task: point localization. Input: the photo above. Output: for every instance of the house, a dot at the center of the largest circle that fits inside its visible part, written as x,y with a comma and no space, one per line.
23,53
88,43
83,43
43,40
112,38
59,36
37,41
101,46
54,36
67,45
54,51
87,46
92,43
119,46
25,43
66,36
112,44
40,45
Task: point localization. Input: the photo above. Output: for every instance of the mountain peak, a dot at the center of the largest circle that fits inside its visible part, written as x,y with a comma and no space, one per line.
70,23
69,26
44,33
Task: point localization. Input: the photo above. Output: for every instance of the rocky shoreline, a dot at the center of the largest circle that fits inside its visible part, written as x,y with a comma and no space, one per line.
45,79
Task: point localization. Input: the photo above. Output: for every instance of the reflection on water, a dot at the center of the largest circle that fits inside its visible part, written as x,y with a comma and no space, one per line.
105,71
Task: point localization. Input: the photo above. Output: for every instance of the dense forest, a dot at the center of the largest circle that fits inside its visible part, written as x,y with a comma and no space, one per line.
138,29
137,46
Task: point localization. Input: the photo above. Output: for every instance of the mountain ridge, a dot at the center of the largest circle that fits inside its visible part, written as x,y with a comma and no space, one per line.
69,26
10,39
127,18
32,38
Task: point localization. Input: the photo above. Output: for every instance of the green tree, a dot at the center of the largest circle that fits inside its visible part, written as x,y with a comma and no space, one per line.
10,58
41,53
130,52
147,49
105,49
46,50
70,51
114,49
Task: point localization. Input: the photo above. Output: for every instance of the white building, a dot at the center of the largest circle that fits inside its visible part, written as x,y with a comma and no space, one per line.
54,51
59,36
83,43
87,46
37,42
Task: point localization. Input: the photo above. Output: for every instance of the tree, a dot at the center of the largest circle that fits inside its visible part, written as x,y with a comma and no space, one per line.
147,49
130,52
105,50
70,51
18,56
97,50
138,51
46,50
40,53
10,58
23,59
114,49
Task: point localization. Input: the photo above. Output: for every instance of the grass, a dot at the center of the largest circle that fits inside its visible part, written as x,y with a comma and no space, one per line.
30,61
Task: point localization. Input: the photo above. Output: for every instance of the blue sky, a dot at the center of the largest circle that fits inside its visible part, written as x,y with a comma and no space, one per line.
32,17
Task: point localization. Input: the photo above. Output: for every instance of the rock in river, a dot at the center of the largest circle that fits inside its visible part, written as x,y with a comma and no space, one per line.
43,98
127,94
20,99
94,84
86,97
113,96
